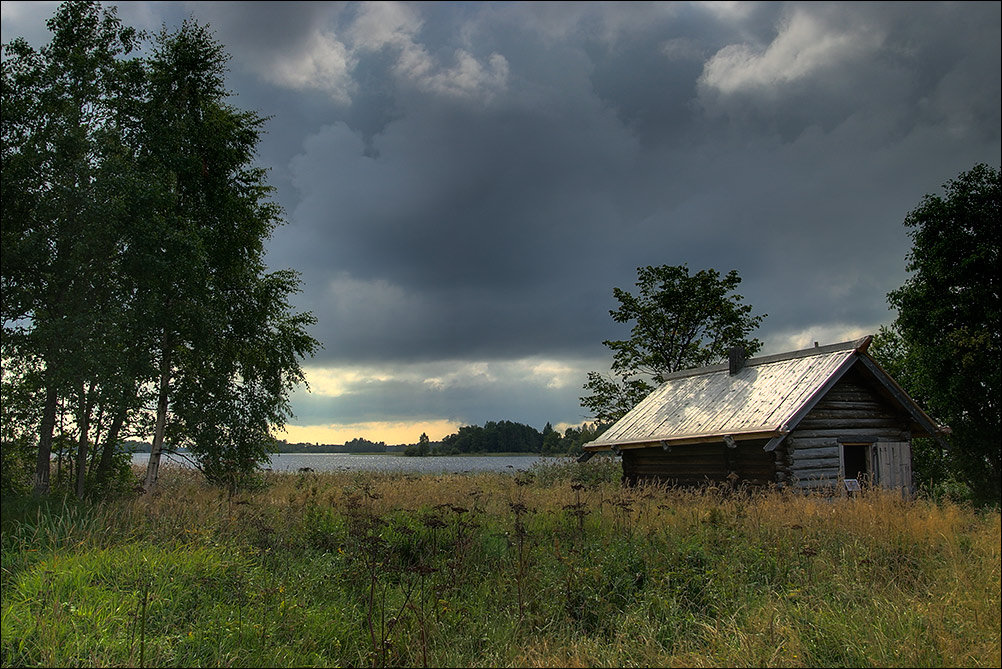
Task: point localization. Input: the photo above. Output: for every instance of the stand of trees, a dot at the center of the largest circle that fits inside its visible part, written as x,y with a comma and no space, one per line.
356,445
136,300
945,346
508,437
494,437
573,438
422,448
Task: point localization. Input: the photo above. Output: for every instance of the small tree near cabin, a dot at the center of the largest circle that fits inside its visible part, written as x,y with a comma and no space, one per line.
680,320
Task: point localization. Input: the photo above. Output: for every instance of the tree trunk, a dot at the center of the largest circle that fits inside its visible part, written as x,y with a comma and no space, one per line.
110,445
93,454
45,440
85,407
153,468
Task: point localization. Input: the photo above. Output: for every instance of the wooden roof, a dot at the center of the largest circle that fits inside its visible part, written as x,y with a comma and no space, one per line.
765,399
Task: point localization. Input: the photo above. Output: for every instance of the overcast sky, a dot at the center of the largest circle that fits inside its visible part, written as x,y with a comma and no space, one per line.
465,183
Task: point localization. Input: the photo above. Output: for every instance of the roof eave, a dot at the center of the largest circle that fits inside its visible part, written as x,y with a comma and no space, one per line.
702,438
929,427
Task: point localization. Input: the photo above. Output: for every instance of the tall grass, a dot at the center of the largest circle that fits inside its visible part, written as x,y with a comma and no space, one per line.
556,567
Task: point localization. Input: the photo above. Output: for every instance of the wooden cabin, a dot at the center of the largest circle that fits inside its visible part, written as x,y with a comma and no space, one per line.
824,416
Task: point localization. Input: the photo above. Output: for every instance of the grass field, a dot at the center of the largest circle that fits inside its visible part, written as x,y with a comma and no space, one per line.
558,567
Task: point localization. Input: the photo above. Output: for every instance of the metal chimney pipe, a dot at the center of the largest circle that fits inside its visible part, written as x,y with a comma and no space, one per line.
735,359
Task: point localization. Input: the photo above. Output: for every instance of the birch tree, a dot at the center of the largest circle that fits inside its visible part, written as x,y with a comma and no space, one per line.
229,342
60,121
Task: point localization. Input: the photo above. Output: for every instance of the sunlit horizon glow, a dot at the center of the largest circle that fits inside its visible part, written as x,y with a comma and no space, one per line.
390,432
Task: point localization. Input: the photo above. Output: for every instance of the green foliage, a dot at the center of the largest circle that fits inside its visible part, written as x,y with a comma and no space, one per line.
494,437
136,296
65,168
422,448
355,445
680,321
931,466
602,468
19,419
551,439
575,438
508,437
18,460
949,344
612,397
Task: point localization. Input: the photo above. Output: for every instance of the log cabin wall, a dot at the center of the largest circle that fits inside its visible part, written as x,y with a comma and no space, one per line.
852,411
699,464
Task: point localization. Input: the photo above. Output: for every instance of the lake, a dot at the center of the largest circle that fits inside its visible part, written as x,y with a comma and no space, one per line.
385,462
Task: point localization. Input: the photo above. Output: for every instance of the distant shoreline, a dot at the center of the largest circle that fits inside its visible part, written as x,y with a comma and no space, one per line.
481,454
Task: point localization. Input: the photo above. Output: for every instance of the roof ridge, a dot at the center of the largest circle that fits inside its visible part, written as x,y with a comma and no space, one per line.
860,343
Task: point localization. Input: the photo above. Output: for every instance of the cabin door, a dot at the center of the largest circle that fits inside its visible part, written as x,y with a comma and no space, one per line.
894,464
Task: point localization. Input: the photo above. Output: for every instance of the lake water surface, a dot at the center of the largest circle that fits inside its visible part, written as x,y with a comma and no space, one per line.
386,462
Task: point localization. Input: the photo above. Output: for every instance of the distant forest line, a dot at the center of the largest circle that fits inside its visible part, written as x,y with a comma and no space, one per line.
493,437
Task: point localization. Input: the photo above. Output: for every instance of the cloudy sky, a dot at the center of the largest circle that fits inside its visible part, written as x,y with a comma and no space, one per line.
465,183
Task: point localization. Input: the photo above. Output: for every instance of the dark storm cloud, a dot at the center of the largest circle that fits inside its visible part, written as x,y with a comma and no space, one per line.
788,144
485,219
469,181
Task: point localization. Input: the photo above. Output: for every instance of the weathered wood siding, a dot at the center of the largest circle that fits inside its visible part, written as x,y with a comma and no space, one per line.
852,410
698,464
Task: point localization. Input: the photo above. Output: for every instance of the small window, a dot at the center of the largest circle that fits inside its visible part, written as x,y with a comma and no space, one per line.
856,461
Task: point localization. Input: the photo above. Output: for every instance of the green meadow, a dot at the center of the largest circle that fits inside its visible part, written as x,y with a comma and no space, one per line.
560,566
